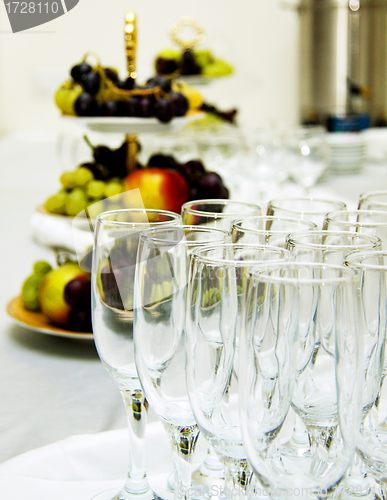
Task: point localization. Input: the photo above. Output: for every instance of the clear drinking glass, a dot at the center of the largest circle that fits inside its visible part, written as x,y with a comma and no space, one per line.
373,200
268,153
283,306
313,209
265,230
216,284
114,258
307,155
216,213
372,443
329,247
371,222
159,322
220,149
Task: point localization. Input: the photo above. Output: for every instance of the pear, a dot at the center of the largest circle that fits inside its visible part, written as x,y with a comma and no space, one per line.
66,96
218,68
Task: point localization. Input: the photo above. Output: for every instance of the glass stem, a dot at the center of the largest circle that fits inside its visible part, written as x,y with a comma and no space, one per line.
136,407
357,483
237,475
183,440
212,467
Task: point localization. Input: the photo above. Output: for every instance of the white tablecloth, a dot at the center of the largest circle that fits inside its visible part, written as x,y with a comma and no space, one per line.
79,467
52,388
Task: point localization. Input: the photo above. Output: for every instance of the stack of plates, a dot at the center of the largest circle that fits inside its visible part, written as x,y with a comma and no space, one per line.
348,152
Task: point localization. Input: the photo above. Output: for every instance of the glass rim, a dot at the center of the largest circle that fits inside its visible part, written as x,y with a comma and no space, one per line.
275,203
364,197
216,260
329,218
258,271
293,237
236,223
365,267
213,201
146,235
102,218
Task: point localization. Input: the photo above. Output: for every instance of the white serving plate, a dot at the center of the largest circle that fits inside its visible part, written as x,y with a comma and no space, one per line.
197,80
133,125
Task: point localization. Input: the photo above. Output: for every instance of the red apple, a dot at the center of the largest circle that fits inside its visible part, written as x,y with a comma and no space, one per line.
51,292
160,188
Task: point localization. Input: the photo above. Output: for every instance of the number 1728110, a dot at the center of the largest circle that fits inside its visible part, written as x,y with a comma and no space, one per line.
32,7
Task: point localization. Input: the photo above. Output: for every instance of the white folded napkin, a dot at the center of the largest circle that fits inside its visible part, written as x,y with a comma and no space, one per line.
58,232
79,467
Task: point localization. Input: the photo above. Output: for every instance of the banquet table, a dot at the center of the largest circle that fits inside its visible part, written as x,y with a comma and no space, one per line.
55,389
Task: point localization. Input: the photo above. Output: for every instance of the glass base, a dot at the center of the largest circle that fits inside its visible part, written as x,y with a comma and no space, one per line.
200,483
112,494
298,445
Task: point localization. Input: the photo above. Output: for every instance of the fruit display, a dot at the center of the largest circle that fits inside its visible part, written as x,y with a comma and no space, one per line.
164,183
191,62
98,91
63,295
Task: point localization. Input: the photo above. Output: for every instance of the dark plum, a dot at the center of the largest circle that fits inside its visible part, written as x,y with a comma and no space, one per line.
211,185
80,319
77,292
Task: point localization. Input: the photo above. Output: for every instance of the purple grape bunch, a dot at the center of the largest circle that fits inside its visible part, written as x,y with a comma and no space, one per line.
154,99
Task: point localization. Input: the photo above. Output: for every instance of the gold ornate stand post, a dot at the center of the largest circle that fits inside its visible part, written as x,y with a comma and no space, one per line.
131,47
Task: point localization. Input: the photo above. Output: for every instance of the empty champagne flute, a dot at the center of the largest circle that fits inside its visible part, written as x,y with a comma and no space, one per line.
373,200
282,308
216,213
371,222
307,155
114,261
266,230
313,209
329,247
372,268
216,284
159,322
